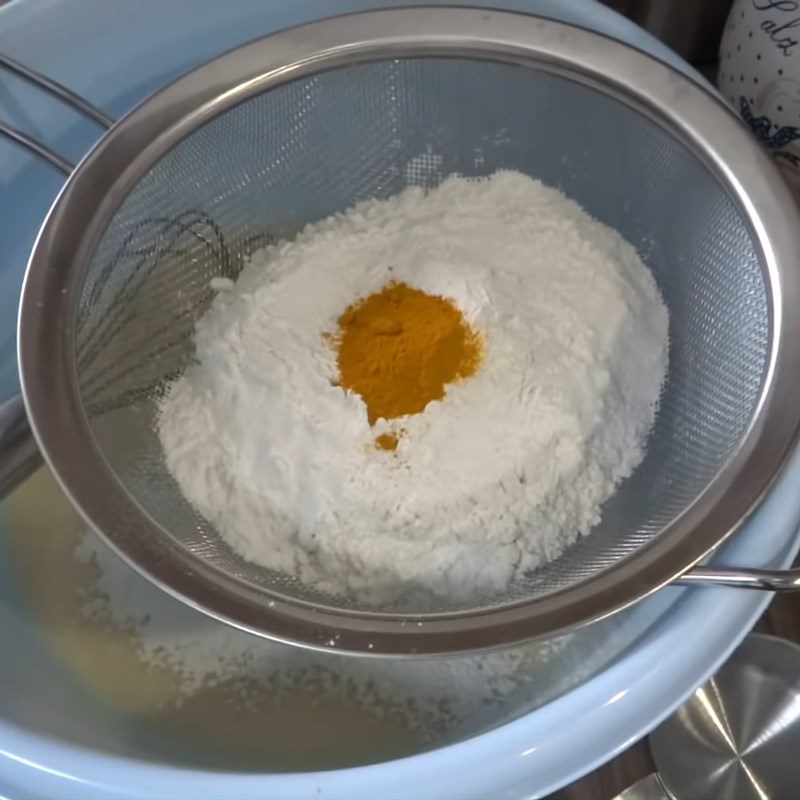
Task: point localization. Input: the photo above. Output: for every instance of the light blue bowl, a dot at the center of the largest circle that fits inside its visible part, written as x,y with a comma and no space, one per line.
57,740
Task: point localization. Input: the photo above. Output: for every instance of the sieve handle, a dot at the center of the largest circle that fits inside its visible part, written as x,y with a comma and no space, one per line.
19,455
768,580
63,94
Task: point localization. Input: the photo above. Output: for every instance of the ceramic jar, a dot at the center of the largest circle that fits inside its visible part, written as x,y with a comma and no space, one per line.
759,74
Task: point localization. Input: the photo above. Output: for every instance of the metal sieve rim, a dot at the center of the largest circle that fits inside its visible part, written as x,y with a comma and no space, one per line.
105,177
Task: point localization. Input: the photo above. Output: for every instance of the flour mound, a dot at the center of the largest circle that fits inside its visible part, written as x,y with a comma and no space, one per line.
498,477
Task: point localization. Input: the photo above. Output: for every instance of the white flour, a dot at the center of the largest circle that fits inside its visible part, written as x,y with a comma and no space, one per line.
432,695
502,474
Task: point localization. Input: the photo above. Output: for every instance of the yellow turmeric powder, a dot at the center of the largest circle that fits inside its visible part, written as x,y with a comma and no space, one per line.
399,347
387,441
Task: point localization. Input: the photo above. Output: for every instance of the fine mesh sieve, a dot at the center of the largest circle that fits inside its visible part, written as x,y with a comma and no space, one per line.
251,147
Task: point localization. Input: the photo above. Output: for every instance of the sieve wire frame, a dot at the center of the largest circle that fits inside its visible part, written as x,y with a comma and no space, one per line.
102,181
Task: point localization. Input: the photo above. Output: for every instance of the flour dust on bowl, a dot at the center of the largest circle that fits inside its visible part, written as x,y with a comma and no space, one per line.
212,176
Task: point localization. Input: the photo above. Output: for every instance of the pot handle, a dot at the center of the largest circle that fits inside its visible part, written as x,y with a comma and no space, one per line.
19,456
768,580
648,788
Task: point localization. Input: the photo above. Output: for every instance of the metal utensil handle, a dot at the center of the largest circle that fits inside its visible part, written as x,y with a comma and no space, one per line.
20,455
769,580
63,94
58,90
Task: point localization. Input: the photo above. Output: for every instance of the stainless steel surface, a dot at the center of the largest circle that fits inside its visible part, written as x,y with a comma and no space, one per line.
739,735
772,580
306,122
36,147
648,788
692,28
19,456
55,88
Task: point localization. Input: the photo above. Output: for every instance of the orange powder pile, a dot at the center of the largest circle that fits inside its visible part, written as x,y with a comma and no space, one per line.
398,348
387,441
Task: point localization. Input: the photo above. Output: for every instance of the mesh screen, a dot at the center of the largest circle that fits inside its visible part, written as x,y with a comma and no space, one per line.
300,152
